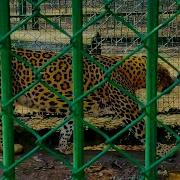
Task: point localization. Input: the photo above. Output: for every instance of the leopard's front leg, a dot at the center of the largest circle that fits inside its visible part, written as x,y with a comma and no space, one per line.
66,132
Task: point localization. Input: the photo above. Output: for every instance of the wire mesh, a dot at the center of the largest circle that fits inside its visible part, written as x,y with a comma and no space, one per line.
122,29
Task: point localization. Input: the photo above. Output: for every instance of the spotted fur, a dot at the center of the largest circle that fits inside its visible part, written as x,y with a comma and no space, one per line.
105,100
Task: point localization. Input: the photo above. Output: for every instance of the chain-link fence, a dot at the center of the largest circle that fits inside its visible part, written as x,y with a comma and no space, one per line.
105,27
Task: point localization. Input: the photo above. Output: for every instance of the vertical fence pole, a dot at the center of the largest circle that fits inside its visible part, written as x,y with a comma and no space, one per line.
6,87
35,20
22,11
151,89
78,136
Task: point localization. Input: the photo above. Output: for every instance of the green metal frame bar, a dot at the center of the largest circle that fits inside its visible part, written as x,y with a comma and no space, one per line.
151,89
6,91
77,70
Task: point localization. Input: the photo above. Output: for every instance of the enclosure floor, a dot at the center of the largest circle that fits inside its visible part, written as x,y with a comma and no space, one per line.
111,166
55,36
49,36
39,122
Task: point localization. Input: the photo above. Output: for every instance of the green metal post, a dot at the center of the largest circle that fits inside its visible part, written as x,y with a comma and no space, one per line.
78,154
151,89
6,86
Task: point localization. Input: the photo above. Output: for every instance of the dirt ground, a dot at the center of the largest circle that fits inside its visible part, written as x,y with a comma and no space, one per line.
112,166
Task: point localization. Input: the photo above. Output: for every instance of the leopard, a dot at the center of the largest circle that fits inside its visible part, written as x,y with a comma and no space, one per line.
106,99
